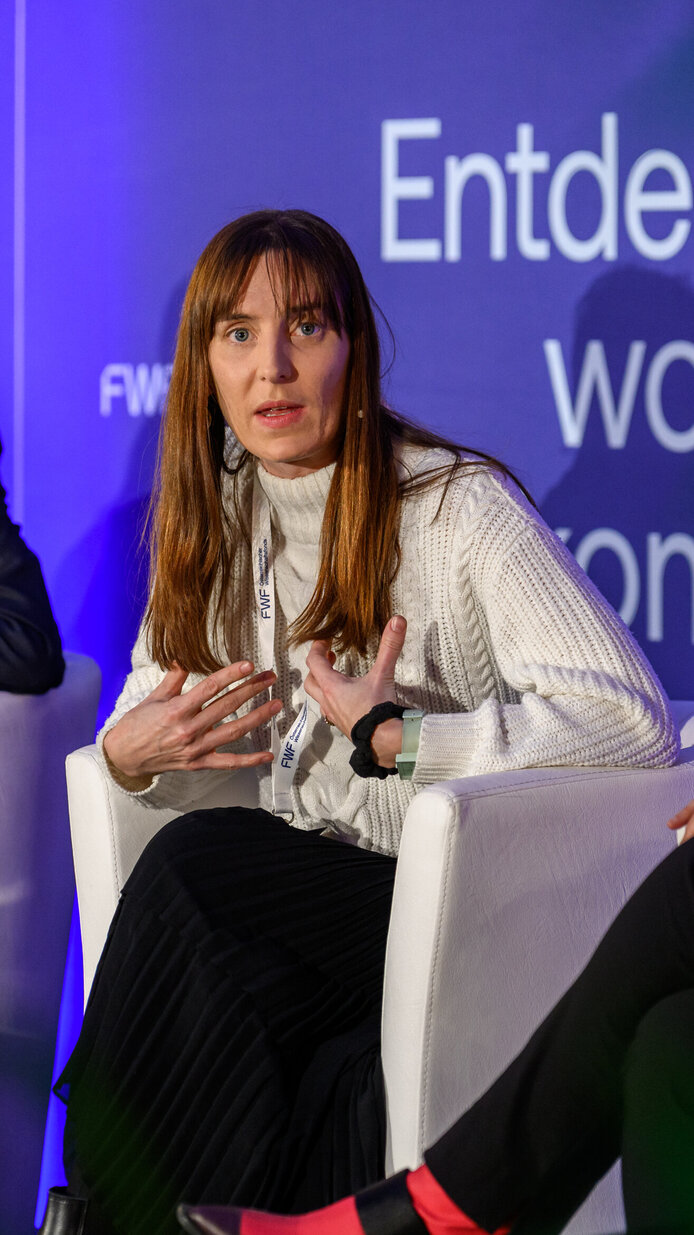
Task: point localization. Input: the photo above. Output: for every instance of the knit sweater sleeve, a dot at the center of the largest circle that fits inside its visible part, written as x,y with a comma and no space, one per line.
176,790
574,686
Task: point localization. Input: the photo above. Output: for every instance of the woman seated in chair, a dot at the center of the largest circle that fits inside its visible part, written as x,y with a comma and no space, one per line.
230,1049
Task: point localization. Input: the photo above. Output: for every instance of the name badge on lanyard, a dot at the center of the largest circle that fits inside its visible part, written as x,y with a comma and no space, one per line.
288,749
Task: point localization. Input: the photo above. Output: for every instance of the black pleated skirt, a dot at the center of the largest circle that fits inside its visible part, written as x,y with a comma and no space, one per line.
230,1051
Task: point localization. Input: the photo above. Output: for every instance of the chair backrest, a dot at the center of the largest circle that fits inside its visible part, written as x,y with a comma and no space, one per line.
36,897
36,733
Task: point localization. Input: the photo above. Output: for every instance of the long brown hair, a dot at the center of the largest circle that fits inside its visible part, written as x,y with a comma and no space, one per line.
193,538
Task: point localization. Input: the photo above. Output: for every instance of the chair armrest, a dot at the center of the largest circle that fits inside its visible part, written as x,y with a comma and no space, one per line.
504,886
110,829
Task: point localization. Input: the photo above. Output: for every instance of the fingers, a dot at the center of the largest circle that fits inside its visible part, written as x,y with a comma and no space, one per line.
320,653
171,684
216,682
313,689
213,713
238,728
223,763
322,676
390,647
682,817
320,661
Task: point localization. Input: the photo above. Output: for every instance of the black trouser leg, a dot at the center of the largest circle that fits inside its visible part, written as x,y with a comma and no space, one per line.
534,1145
230,1048
658,1135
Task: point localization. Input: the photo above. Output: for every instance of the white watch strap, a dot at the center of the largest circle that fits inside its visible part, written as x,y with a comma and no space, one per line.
411,727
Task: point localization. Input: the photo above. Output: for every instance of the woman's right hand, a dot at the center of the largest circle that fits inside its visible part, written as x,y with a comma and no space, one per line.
684,819
170,731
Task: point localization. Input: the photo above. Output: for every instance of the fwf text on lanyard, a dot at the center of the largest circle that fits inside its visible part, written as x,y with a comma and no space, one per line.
288,749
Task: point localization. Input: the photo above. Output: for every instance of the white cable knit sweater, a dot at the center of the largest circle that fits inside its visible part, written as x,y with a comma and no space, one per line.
515,657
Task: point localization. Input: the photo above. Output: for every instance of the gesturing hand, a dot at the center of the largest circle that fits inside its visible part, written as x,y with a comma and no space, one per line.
684,819
343,699
170,731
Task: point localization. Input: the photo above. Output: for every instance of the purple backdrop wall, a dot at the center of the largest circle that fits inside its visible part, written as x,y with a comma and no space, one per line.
149,125
490,166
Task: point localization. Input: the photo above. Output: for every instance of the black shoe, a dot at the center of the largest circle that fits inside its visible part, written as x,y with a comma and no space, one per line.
384,1209
65,1213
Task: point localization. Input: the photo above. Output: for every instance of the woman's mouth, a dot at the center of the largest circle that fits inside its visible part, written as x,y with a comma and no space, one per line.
279,413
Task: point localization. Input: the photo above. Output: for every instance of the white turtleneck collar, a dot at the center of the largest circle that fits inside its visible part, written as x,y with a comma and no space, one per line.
297,505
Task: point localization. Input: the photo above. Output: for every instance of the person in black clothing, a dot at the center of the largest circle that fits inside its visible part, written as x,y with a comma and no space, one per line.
31,658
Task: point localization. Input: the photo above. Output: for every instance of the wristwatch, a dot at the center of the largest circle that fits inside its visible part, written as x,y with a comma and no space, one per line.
411,725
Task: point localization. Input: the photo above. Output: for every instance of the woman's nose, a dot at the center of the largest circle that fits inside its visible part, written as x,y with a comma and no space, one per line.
275,362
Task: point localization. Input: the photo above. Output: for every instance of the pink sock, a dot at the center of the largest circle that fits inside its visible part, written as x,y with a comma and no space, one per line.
436,1209
338,1219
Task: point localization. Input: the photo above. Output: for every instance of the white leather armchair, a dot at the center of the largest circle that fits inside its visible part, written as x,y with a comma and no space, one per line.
504,886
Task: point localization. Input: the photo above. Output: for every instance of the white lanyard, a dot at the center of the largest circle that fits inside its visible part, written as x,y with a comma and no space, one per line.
288,750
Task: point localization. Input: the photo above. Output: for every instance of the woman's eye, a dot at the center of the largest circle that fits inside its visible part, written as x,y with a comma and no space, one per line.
240,334
308,329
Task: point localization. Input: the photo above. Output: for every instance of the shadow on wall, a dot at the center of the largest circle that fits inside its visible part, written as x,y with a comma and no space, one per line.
108,567
627,503
108,570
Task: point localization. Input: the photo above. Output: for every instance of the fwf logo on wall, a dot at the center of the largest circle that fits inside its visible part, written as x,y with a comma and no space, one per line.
140,388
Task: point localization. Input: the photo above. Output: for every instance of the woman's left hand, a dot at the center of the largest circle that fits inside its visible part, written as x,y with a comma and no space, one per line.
343,700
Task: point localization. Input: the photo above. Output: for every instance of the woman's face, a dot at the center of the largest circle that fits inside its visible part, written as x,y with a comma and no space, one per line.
280,384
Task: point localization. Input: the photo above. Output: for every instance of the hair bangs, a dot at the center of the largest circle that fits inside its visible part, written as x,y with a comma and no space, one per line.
306,272
303,284
226,290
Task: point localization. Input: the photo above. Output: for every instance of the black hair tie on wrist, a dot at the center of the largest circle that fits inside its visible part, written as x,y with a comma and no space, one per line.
362,758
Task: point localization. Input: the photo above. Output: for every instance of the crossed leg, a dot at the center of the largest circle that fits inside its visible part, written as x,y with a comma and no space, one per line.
609,1071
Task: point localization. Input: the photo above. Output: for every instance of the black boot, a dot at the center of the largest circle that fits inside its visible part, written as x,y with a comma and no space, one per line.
66,1213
